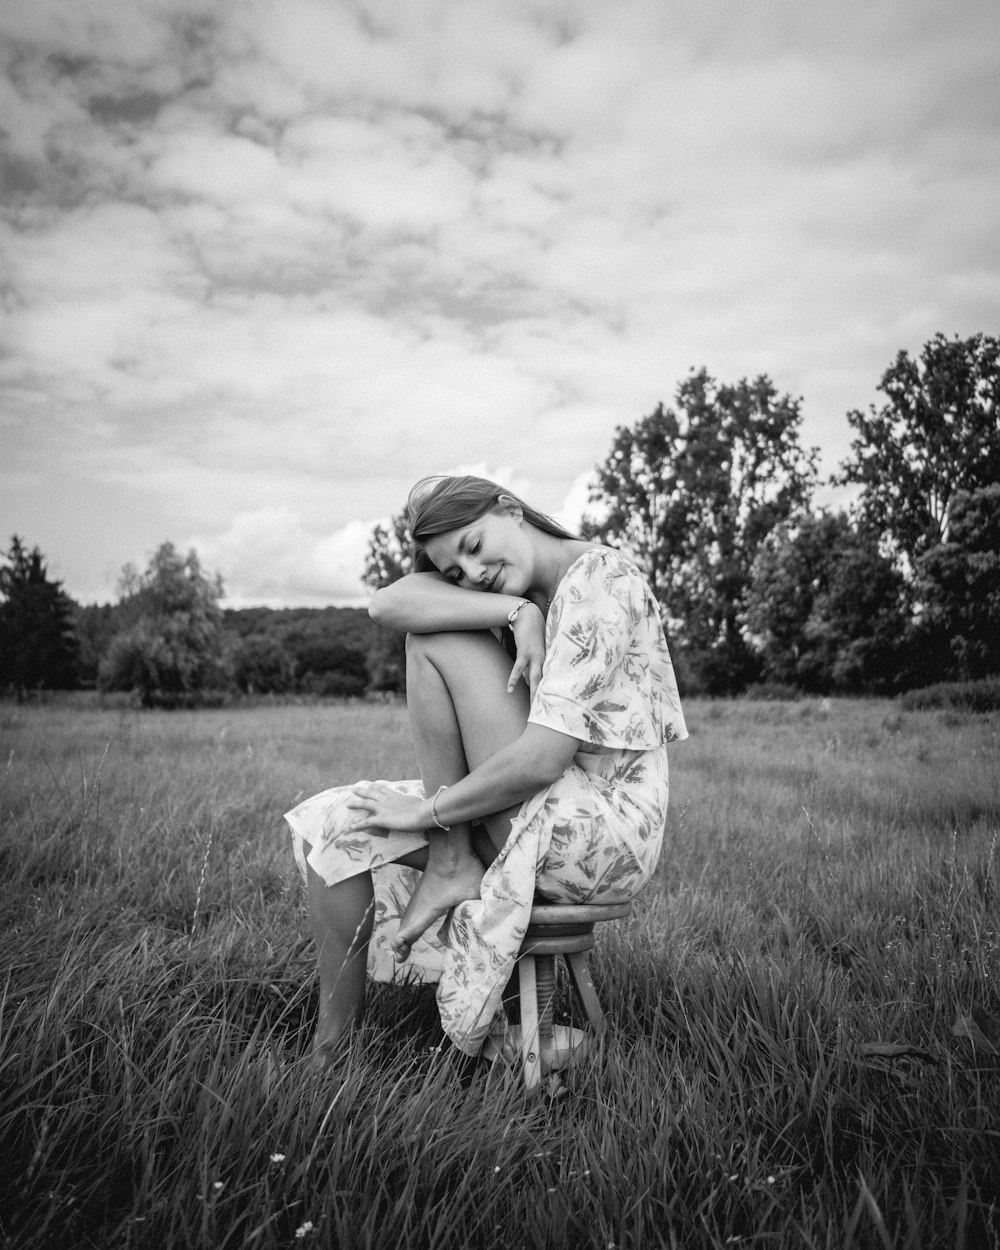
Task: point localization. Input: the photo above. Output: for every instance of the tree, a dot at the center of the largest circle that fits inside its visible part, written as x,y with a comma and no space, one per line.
826,610
388,559
389,556
261,665
94,626
958,583
938,433
172,646
326,664
691,493
859,629
38,648
314,650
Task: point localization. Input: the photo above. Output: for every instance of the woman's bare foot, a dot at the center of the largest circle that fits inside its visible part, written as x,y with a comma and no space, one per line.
322,1054
436,894
334,1029
328,1045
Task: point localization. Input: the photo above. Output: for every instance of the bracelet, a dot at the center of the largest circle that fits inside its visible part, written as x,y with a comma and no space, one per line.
512,614
434,815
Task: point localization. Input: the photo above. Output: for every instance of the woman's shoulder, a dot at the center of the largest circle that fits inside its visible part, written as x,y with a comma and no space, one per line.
605,563
606,581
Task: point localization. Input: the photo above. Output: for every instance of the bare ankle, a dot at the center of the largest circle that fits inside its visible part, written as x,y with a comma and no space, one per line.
331,1036
455,865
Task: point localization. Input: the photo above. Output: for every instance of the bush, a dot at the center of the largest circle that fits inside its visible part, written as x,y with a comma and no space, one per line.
171,647
161,665
966,696
261,665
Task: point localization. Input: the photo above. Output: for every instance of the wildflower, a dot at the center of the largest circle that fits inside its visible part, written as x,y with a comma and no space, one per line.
497,1168
217,1185
304,1230
771,1180
276,1158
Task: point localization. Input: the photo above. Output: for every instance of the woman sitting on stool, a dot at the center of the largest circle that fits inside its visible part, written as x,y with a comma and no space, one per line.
543,772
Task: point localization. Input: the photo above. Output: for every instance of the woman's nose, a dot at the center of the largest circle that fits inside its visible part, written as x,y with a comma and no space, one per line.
468,569
475,572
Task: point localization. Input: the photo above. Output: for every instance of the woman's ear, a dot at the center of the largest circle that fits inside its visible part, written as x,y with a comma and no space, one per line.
511,507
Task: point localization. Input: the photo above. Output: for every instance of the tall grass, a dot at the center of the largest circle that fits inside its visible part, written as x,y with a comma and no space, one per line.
804,1052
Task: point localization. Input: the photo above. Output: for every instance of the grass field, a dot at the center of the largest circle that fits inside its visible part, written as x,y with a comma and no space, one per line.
806,1002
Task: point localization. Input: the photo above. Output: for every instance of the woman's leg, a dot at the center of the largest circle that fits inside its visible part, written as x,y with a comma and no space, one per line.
341,916
460,714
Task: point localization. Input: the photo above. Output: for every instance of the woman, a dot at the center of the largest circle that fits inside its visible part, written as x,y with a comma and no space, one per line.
544,771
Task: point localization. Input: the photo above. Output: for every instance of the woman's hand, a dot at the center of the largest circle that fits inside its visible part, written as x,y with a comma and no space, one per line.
380,807
529,639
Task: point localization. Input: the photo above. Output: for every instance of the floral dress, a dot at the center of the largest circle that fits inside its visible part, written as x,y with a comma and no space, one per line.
593,835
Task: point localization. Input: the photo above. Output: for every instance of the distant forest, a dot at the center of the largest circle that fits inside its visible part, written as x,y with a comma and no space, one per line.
301,651
169,642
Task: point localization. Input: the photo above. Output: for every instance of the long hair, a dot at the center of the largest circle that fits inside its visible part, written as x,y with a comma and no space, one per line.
439,504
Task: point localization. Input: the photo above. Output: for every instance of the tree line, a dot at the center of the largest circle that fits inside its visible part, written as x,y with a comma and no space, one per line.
168,641
713,496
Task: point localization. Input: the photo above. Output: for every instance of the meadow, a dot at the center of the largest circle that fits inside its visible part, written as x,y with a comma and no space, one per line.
805,1004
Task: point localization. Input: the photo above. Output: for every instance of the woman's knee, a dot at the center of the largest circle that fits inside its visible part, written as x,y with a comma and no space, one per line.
456,653
450,643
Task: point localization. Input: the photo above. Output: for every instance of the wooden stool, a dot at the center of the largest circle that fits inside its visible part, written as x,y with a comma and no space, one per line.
565,929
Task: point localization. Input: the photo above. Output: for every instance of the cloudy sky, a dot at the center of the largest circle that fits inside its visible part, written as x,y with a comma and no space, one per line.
265,262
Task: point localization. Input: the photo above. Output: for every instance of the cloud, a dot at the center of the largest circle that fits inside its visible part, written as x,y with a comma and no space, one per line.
577,502
269,557
274,260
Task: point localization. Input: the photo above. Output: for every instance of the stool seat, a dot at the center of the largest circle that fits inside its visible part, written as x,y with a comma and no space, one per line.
565,929
576,913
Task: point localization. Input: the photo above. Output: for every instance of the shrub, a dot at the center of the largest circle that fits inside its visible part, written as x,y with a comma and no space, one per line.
968,696
261,665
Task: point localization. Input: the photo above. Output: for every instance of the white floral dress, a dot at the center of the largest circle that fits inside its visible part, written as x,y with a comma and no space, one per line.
594,835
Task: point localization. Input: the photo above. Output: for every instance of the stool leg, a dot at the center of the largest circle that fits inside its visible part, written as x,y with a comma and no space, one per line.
531,1050
545,987
579,974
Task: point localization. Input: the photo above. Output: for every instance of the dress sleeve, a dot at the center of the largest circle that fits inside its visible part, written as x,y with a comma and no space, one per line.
604,662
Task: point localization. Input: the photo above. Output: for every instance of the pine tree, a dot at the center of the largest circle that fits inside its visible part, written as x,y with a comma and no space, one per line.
38,647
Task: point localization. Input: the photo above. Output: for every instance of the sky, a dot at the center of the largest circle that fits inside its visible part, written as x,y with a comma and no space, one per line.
264,263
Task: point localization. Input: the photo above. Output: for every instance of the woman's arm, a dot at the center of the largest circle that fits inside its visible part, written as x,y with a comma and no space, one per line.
528,764
534,760
426,603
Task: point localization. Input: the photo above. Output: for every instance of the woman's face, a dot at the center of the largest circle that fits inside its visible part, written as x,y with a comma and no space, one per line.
493,554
